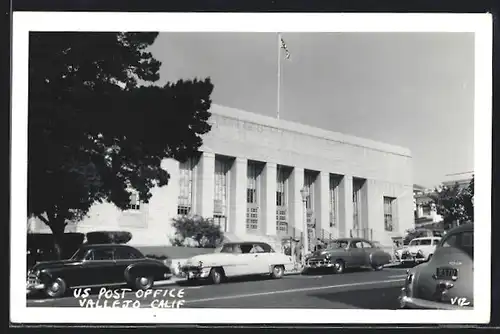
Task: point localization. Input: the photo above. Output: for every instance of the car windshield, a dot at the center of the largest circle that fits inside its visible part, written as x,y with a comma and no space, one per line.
337,244
79,254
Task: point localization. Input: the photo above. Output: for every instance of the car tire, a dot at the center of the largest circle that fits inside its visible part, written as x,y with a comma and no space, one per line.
144,282
278,272
375,266
56,288
216,275
338,267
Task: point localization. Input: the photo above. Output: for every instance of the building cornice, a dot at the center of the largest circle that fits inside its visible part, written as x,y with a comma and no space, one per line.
289,126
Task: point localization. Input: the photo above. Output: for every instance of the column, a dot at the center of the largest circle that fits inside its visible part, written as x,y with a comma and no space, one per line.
268,199
321,205
238,197
205,185
296,182
345,206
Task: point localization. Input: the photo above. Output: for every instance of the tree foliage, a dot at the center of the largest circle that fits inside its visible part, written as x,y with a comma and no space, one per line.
94,133
201,230
455,203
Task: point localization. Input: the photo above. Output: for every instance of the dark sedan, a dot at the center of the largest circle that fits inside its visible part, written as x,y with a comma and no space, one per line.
97,265
348,253
446,281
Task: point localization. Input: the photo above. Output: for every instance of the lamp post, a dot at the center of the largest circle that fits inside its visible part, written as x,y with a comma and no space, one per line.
305,245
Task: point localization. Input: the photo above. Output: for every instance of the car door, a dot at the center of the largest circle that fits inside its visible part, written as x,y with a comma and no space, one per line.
123,257
261,258
249,259
99,267
426,246
356,254
368,249
235,263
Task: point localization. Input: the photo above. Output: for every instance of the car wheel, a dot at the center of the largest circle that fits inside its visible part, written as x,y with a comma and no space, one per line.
144,282
56,288
216,275
374,265
278,272
338,267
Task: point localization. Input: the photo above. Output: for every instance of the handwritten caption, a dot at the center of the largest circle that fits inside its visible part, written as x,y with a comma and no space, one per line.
460,301
121,298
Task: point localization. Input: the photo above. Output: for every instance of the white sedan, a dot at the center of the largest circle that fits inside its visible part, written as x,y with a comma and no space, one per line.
238,259
418,250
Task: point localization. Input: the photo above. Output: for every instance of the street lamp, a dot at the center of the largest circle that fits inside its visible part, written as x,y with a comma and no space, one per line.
304,192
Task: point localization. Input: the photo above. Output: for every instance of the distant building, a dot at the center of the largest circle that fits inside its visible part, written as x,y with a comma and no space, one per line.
463,179
248,176
424,208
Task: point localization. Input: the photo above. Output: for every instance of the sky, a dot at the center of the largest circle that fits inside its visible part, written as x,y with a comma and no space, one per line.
414,90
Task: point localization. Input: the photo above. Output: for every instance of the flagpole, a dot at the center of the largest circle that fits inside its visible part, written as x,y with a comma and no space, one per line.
279,77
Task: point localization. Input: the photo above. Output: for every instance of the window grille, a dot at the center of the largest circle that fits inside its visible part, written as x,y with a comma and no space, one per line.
221,185
252,222
281,201
388,214
185,199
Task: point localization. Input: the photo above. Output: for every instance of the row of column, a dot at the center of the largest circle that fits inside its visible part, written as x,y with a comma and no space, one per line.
238,201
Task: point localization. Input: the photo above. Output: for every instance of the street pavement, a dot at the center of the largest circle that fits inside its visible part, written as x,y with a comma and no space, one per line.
359,289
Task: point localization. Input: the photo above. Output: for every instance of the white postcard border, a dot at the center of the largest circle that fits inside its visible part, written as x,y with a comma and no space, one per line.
24,22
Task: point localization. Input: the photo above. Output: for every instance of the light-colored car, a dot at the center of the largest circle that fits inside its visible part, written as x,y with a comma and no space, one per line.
446,281
238,259
418,250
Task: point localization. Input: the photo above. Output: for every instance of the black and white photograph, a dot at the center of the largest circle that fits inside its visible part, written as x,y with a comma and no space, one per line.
318,162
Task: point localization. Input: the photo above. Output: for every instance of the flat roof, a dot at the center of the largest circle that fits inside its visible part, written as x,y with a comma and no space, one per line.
289,126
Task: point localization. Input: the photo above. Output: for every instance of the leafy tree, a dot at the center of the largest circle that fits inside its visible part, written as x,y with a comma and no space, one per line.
201,230
94,133
455,203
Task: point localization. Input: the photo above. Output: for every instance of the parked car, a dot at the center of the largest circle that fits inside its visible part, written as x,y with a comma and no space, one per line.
419,250
348,253
96,265
446,281
238,259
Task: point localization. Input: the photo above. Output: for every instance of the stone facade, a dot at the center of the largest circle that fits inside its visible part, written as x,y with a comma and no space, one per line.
248,177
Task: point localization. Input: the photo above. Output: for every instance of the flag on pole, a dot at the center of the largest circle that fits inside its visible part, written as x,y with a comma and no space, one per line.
283,46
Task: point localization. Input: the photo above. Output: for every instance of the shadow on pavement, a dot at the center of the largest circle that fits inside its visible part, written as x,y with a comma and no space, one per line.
253,278
373,298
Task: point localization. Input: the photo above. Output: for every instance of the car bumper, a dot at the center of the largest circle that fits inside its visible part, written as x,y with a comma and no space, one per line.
413,260
192,273
417,303
322,263
32,286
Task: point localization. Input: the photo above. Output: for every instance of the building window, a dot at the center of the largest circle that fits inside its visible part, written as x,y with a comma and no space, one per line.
309,178
388,214
281,200
356,203
221,221
221,190
185,200
135,203
309,187
252,197
333,201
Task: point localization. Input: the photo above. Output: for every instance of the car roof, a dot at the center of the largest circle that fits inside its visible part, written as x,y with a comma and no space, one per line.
425,238
93,246
245,242
462,228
